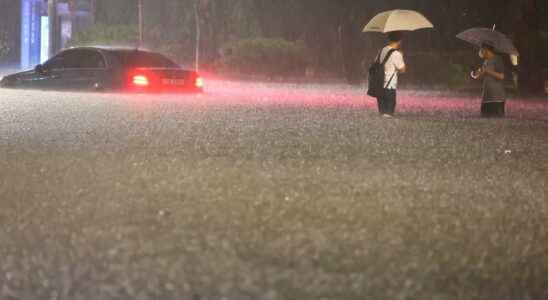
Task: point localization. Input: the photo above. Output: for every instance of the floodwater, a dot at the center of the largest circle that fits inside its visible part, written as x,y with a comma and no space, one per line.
270,191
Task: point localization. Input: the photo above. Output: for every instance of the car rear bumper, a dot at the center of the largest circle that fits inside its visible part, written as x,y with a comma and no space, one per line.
164,90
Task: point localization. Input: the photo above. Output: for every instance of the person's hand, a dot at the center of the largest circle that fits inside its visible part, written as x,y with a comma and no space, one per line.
477,73
473,75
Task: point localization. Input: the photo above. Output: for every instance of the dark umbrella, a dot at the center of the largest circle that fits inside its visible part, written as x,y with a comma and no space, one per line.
481,36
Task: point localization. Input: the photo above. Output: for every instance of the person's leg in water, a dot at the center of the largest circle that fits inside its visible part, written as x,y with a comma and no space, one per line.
387,103
380,101
502,109
390,108
493,110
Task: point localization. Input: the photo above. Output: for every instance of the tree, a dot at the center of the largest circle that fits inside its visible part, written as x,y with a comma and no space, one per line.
331,29
118,12
4,46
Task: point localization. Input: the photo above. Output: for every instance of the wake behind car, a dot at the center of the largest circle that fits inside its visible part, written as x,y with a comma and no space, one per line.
103,68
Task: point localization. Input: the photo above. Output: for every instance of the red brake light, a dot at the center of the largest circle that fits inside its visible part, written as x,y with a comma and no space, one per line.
140,80
199,82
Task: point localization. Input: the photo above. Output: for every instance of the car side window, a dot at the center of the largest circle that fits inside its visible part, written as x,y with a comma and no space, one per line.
93,60
77,59
74,59
56,62
65,60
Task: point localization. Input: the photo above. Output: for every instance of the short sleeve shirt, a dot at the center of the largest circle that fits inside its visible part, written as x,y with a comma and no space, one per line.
493,89
394,63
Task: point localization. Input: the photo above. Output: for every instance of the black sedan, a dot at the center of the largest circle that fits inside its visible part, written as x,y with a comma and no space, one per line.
102,68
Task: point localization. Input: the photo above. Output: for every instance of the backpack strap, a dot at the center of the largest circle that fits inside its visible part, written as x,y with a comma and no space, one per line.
390,81
388,55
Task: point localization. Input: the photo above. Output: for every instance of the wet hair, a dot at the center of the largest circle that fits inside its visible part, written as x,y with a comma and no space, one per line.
395,36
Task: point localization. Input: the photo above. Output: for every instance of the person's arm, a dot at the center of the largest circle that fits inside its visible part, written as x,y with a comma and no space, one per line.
494,74
400,64
496,71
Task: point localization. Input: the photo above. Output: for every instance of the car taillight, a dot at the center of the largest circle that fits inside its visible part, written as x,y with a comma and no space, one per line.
140,80
199,82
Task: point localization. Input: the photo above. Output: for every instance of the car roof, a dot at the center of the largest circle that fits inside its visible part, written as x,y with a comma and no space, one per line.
111,49
123,50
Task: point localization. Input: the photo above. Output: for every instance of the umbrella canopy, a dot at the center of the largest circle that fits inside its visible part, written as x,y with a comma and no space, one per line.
480,36
397,20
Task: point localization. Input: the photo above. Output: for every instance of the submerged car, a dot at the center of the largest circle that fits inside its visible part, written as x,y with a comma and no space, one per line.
111,69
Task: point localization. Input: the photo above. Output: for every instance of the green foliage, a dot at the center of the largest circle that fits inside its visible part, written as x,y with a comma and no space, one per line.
458,75
179,51
330,29
108,35
433,69
4,46
116,12
176,44
262,56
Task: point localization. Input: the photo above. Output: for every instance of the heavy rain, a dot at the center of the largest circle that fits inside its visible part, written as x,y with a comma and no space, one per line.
274,182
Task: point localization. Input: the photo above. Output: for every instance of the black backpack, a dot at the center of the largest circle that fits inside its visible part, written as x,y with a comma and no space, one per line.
376,75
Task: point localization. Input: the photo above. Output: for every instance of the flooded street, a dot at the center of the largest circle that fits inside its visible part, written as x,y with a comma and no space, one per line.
270,191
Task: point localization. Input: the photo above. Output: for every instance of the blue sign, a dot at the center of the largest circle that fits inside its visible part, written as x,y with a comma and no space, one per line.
31,11
35,10
25,33
44,40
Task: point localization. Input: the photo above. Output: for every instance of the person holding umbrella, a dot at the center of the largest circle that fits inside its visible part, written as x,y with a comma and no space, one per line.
492,72
394,65
392,23
492,45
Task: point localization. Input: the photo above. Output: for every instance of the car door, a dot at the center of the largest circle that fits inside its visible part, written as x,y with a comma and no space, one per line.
84,69
46,76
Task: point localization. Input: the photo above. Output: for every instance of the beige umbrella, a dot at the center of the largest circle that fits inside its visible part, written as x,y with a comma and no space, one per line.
397,20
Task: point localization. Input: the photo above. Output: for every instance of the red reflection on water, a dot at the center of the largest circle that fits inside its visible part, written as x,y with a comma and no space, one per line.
415,103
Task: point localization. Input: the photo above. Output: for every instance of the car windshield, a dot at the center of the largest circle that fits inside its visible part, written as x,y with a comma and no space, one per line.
140,59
